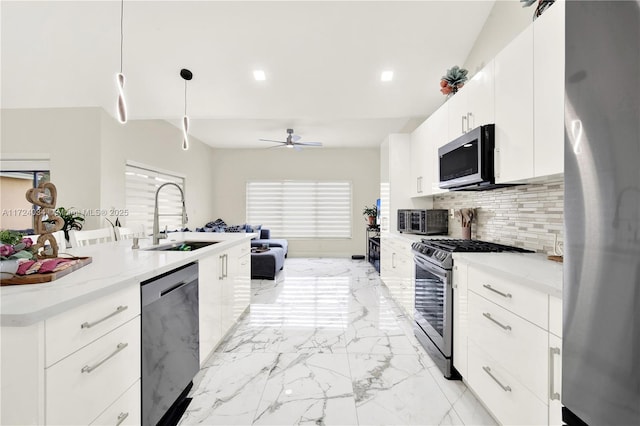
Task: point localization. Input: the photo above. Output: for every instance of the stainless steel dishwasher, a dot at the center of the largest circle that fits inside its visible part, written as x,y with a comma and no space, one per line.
170,343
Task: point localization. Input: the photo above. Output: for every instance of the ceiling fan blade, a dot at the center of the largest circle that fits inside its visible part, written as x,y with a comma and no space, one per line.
270,140
275,146
297,148
309,143
295,138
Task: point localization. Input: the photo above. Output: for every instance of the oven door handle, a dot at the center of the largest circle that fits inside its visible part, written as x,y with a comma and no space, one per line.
438,272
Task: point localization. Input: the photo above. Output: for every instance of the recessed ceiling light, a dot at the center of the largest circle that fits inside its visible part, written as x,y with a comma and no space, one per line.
386,76
259,75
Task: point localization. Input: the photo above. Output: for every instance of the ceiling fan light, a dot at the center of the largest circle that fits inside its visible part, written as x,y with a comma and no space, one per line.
386,75
259,75
121,106
289,145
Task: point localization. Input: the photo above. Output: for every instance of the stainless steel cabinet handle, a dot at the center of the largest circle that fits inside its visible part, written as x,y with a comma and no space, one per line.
119,309
469,115
488,287
419,184
121,418
488,316
504,388
226,265
89,369
221,274
552,380
393,260
464,126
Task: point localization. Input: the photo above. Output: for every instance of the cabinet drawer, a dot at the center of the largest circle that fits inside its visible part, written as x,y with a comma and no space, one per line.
84,384
125,411
519,346
530,304
508,400
71,330
555,316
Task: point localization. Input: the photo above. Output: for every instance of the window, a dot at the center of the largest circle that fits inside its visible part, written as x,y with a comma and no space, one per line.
140,188
301,209
16,177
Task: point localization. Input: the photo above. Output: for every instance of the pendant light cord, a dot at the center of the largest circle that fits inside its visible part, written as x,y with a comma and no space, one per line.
185,97
121,31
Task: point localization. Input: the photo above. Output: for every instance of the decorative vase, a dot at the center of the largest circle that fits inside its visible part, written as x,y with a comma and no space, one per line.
372,220
8,268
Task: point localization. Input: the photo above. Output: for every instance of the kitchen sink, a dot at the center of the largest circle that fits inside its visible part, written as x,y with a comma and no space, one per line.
183,246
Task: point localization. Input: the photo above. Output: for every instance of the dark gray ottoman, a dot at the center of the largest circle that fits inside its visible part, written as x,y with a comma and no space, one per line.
267,264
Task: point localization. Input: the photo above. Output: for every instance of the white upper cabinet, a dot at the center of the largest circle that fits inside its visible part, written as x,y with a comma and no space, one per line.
437,136
481,97
458,113
420,156
548,95
514,109
395,176
473,105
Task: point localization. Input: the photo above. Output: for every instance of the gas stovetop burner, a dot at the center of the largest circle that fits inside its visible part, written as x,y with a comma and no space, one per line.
471,246
440,251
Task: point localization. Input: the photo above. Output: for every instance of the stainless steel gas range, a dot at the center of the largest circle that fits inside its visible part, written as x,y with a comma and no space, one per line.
433,316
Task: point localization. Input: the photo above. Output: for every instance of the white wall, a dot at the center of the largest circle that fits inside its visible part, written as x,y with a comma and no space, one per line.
233,168
159,144
507,19
89,149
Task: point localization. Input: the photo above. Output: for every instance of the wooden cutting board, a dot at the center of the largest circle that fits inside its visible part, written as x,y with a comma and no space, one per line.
46,277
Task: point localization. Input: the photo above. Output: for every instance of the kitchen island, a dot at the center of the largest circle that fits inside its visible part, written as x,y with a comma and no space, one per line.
71,347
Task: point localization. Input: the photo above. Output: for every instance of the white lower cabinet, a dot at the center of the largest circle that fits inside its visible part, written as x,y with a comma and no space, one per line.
397,271
125,411
511,341
224,293
82,385
460,319
504,346
209,304
555,380
507,399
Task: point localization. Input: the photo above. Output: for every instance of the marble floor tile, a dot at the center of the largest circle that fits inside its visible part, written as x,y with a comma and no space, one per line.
308,387
325,344
230,390
396,389
320,340
471,411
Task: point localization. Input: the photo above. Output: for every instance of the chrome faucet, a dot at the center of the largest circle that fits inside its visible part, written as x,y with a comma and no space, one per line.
156,225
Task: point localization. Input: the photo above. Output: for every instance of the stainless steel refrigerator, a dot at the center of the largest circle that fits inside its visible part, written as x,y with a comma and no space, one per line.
601,334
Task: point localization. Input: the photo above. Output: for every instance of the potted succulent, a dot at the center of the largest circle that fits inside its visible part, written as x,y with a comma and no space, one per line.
371,213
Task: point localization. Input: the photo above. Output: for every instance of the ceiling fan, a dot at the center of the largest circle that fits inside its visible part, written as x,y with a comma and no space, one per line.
292,141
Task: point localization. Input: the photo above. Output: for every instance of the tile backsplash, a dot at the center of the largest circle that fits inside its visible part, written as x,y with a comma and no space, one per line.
529,216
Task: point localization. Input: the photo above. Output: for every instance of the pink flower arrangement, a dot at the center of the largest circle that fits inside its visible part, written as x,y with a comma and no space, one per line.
6,250
14,245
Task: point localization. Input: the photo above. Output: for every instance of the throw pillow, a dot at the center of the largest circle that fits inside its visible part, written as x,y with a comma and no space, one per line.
252,228
235,228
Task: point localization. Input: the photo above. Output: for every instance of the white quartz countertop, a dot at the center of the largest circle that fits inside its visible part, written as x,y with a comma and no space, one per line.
531,269
114,266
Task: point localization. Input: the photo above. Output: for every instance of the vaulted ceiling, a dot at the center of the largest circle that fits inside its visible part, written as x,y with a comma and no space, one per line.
322,60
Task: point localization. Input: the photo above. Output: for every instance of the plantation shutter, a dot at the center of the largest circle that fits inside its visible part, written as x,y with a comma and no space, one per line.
141,184
301,209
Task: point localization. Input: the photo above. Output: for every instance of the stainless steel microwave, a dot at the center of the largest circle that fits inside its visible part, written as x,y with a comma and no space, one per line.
467,162
424,222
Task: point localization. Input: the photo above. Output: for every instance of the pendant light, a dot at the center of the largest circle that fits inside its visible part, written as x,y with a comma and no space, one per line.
186,75
121,106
